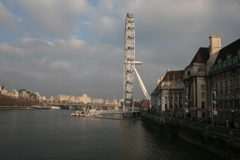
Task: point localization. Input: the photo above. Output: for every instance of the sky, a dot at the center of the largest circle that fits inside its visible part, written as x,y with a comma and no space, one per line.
75,47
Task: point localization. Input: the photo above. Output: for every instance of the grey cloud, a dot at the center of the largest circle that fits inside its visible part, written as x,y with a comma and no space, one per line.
71,62
58,19
7,18
76,60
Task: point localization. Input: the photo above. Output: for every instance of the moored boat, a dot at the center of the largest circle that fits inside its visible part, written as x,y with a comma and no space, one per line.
55,107
78,113
39,107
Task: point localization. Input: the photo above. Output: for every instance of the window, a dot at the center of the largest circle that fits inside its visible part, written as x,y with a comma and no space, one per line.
220,104
221,85
226,91
220,76
203,105
237,81
231,82
221,93
225,84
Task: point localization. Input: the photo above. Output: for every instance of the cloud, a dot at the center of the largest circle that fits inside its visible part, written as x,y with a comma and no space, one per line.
53,18
7,18
77,46
57,63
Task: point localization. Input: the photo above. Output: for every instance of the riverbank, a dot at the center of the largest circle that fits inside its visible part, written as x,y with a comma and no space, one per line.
15,107
222,142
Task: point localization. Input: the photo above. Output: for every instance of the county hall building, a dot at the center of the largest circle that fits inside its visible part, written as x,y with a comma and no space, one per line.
208,89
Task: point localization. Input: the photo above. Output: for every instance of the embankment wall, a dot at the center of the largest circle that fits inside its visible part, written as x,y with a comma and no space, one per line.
13,107
224,143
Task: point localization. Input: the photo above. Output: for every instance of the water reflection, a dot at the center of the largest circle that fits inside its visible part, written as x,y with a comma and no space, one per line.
54,134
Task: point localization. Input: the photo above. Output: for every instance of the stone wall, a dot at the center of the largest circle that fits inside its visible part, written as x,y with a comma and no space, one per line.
223,142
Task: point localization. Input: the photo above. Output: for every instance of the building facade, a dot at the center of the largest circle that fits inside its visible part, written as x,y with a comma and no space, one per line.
211,86
168,95
195,86
224,78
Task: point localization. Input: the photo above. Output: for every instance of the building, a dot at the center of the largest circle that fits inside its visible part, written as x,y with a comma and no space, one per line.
111,102
23,93
224,77
14,93
211,86
168,95
195,81
84,99
62,99
98,101
3,90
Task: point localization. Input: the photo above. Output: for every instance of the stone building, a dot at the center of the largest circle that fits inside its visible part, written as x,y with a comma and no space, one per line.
62,99
211,90
195,81
98,101
224,77
3,90
168,95
83,99
113,102
23,93
72,99
14,93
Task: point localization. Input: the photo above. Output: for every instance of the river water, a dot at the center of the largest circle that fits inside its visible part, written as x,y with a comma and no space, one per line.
55,135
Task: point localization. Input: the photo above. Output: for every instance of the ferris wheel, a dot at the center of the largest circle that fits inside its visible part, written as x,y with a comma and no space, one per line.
129,64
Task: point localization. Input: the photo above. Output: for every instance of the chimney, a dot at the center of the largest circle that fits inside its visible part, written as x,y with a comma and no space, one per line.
214,48
215,44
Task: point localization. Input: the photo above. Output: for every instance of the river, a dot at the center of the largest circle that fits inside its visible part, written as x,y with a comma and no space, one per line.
55,135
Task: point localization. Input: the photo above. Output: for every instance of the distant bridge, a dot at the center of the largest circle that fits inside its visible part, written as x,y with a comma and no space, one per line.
86,106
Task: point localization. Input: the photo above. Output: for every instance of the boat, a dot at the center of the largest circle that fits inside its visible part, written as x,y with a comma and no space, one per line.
39,107
55,107
78,113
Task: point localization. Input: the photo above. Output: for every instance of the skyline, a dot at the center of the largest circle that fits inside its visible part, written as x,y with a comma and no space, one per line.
80,49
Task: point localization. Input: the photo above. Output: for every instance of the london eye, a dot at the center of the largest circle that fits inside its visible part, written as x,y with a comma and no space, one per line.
129,65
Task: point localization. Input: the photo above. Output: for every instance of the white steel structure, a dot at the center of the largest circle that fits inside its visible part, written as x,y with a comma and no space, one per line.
129,65
128,62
